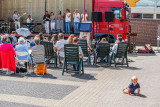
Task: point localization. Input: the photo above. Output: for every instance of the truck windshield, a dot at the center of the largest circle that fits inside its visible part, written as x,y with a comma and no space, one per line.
117,12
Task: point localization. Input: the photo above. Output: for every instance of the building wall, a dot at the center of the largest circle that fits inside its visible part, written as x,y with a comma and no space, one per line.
146,30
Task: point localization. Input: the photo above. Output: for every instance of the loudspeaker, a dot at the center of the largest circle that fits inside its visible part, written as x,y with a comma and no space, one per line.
109,16
97,16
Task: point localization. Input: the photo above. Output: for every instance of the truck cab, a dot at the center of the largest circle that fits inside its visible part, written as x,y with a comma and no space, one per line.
120,21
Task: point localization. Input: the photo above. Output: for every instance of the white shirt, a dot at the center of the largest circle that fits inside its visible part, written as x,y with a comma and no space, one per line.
60,47
114,48
76,17
29,20
86,15
68,19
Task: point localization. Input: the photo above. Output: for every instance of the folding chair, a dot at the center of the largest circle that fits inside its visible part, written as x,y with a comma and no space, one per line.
38,57
22,54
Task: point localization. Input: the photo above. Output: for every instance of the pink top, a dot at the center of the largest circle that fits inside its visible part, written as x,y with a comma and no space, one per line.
7,47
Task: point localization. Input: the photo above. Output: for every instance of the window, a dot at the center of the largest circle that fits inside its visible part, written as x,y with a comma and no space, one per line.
158,16
148,16
117,12
136,15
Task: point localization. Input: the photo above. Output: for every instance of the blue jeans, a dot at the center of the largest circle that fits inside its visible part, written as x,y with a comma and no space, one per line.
68,27
76,25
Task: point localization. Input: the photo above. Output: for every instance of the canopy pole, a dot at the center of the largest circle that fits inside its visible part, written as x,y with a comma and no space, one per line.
84,10
45,4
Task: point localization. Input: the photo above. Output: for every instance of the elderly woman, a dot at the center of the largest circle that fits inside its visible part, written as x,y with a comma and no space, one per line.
5,46
38,48
22,48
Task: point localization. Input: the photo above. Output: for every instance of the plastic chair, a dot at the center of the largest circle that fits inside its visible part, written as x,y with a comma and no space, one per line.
72,57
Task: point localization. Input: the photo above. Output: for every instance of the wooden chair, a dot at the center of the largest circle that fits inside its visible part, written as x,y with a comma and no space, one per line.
103,53
121,53
72,57
83,44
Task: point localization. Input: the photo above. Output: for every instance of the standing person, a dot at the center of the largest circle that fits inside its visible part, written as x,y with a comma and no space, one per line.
14,39
52,21
16,19
84,18
68,21
59,21
46,18
64,17
76,17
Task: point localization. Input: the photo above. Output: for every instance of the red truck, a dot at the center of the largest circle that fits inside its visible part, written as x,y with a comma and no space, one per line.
120,23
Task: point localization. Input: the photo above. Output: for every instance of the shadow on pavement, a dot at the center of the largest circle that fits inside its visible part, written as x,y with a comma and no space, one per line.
142,96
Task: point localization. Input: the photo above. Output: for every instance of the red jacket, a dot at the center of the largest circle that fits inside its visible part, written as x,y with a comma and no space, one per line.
7,60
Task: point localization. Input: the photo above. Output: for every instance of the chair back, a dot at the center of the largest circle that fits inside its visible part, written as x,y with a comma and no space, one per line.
83,44
71,53
21,53
103,49
49,51
38,55
122,50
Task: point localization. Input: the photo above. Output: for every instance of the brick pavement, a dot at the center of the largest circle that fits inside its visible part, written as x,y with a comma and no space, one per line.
100,87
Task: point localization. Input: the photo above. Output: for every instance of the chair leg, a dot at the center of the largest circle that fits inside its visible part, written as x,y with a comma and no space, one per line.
109,61
79,69
114,62
127,62
63,68
82,68
95,61
44,67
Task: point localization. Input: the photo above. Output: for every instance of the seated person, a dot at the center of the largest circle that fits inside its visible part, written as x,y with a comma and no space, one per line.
54,39
120,36
38,47
75,41
14,39
85,38
103,40
32,43
30,20
5,46
114,48
22,48
59,47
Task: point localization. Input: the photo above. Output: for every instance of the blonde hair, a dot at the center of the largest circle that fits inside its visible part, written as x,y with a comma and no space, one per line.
60,36
70,39
104,40
134,78
4,38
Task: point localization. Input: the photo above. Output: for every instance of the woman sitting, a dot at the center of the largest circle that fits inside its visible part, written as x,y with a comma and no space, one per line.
38,48
21,47
5,46
70,39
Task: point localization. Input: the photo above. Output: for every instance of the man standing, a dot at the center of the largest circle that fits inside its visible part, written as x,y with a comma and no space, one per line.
16,20
46,18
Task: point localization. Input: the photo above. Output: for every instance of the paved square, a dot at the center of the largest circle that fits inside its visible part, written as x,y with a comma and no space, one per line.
100,86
